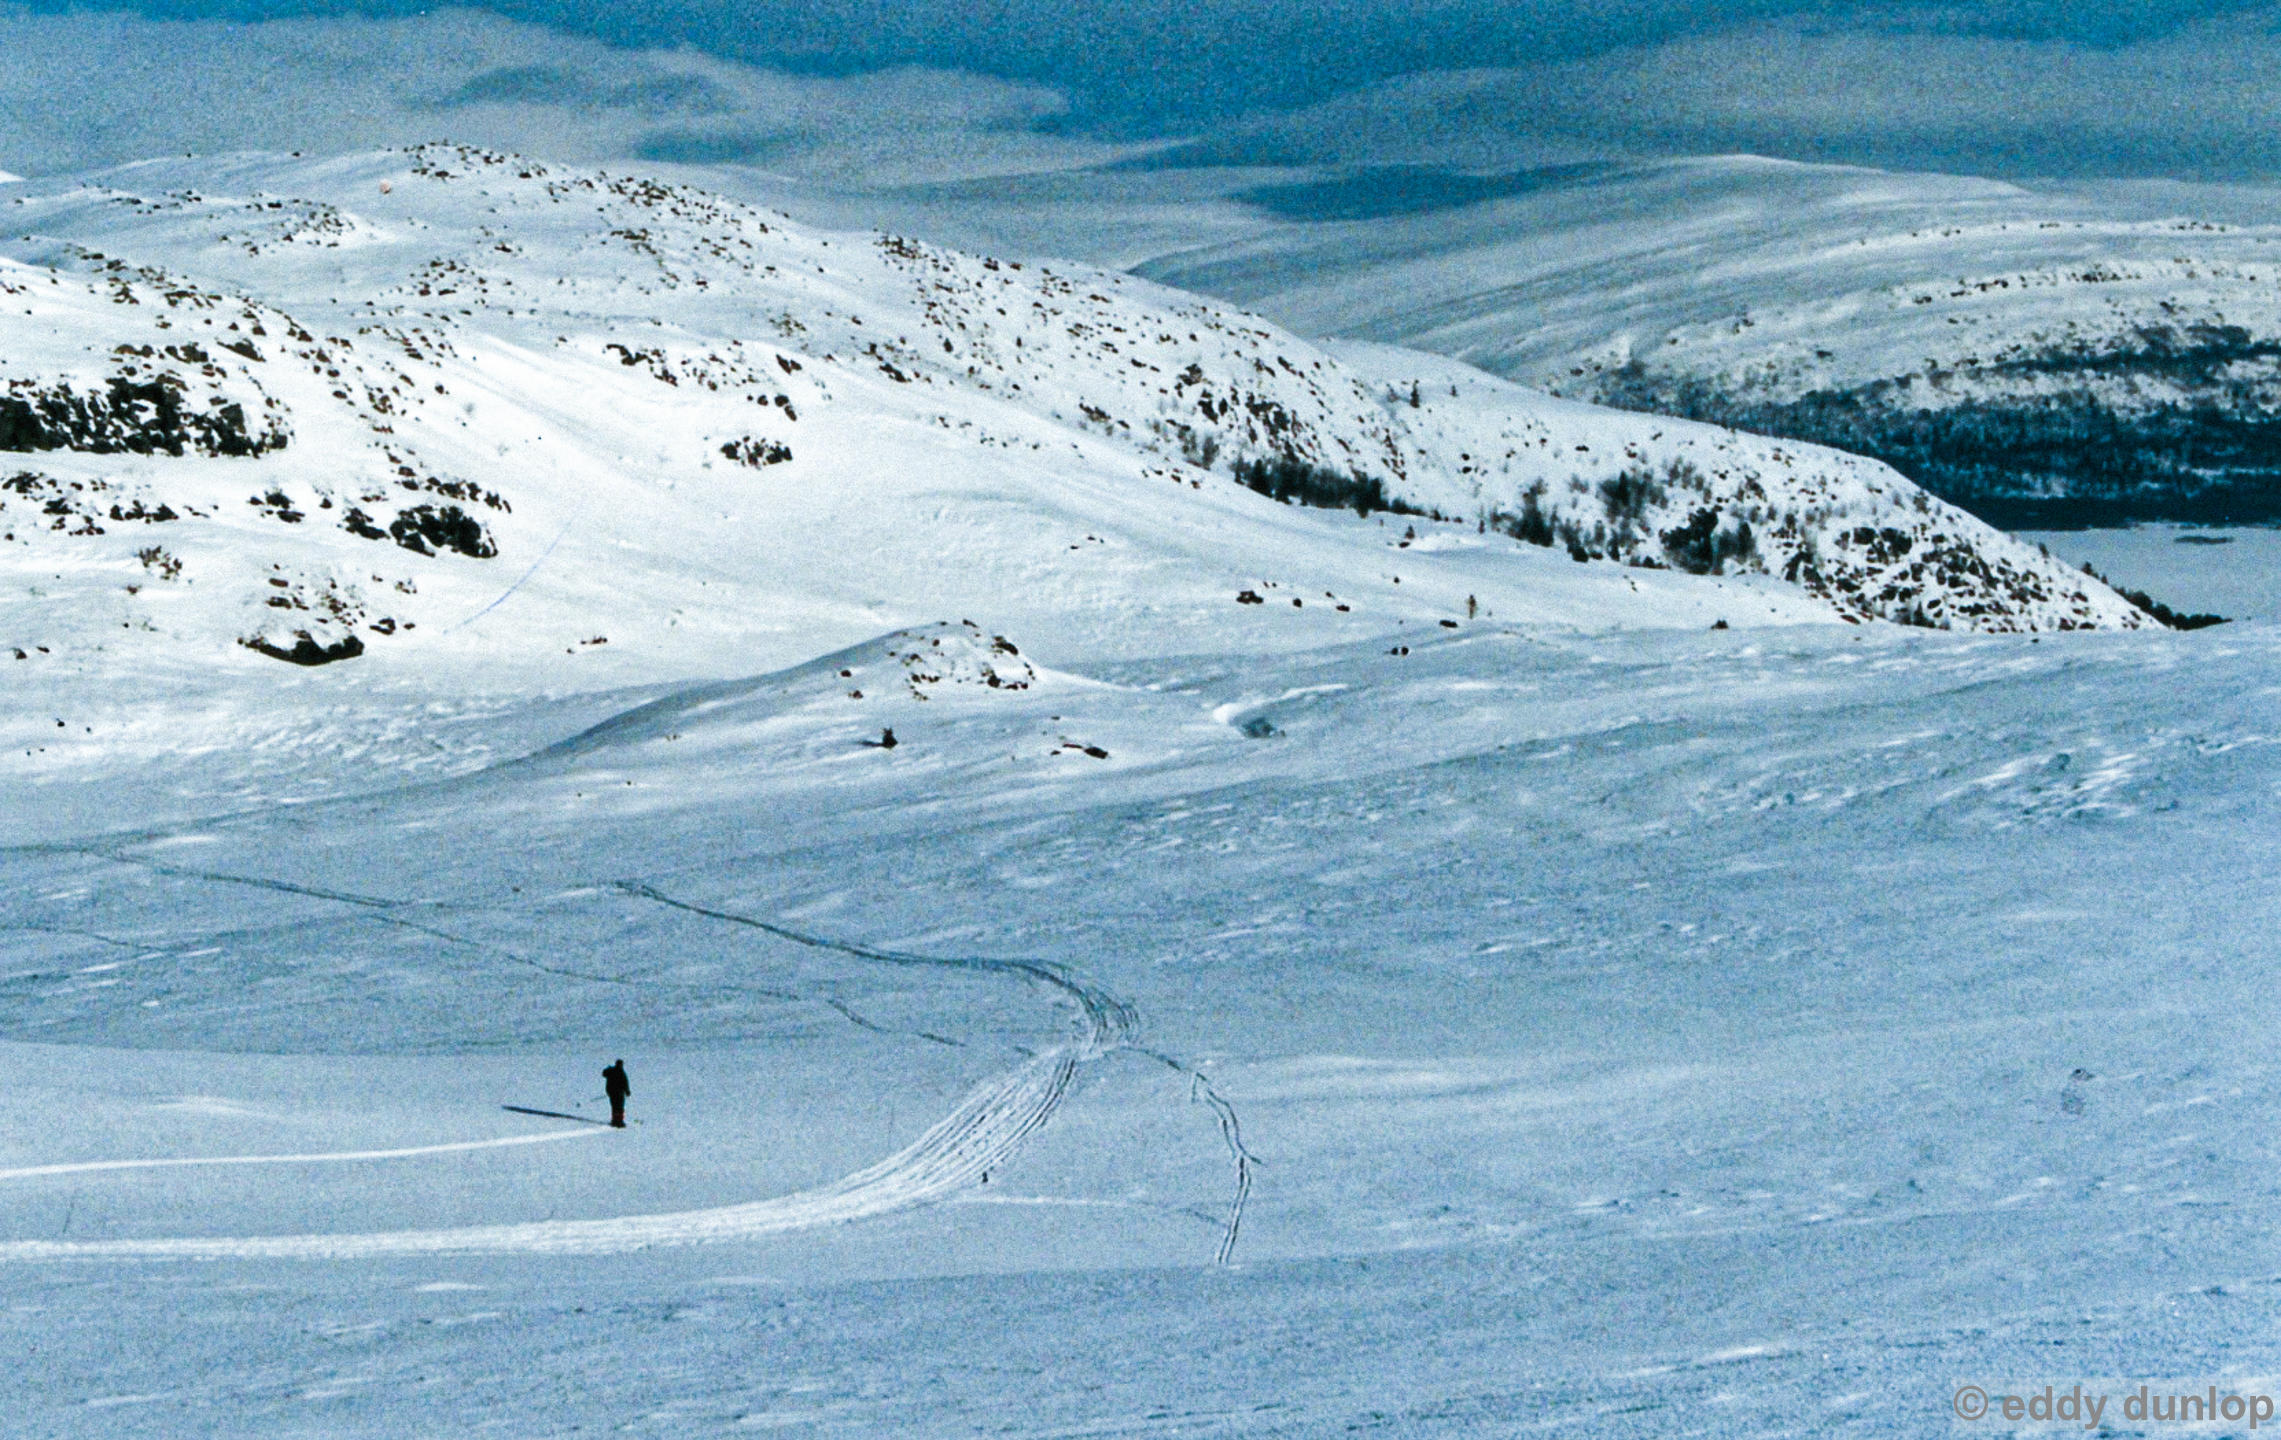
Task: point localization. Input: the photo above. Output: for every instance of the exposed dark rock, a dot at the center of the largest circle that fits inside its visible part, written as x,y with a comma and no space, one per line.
757,452
142,417
279,505
306,651
427,529
77,507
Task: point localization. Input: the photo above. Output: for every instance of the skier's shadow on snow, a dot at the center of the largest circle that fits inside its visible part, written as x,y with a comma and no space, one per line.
556,1115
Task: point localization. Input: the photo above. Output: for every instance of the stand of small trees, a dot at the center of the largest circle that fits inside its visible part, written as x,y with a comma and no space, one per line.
2161,612
1294,481
1703,545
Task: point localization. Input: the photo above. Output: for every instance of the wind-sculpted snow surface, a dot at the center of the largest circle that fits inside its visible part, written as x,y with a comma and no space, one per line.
909,665
1573,1031
470,398
713,723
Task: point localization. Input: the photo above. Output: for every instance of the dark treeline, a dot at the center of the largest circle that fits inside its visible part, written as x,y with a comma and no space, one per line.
2175,619
1296,482
2042,461
2244,503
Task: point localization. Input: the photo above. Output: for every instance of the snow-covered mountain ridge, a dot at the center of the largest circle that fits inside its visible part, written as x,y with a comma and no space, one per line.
2117,348
484,410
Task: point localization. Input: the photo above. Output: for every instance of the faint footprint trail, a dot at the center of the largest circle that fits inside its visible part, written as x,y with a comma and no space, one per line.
1107,1020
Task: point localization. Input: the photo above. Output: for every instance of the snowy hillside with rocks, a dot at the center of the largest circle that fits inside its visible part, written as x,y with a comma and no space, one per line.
2115,347
451,408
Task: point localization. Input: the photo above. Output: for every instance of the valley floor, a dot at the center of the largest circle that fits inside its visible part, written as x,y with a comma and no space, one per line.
1726,1033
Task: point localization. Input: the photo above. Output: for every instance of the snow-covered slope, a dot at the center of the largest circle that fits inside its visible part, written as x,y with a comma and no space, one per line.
1742,1033
459,409
2117,344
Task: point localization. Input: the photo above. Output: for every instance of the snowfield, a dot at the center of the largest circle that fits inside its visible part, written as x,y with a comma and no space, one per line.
1716,1032
1458,989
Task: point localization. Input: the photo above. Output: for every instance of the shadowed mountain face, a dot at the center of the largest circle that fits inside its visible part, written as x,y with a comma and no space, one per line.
2148,423
2095,355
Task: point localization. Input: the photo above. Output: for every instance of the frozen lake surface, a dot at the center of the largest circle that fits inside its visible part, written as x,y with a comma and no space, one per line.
2235,573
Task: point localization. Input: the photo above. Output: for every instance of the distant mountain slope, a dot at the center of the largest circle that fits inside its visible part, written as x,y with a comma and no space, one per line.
465,407
2035,356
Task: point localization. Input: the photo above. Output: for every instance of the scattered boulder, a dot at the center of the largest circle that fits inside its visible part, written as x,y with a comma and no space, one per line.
306,650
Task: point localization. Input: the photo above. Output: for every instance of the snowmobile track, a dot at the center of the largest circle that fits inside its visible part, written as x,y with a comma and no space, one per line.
981,1134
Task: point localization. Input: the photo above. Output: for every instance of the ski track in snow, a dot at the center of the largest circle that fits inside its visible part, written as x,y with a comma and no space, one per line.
981,1134
509,593
1109,1023
1108,1020
83,1167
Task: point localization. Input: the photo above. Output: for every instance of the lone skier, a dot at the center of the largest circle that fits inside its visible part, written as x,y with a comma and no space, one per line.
616,1086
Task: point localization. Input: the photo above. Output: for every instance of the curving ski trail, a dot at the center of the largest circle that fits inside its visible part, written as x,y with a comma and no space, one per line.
1107,1021
1108,1025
